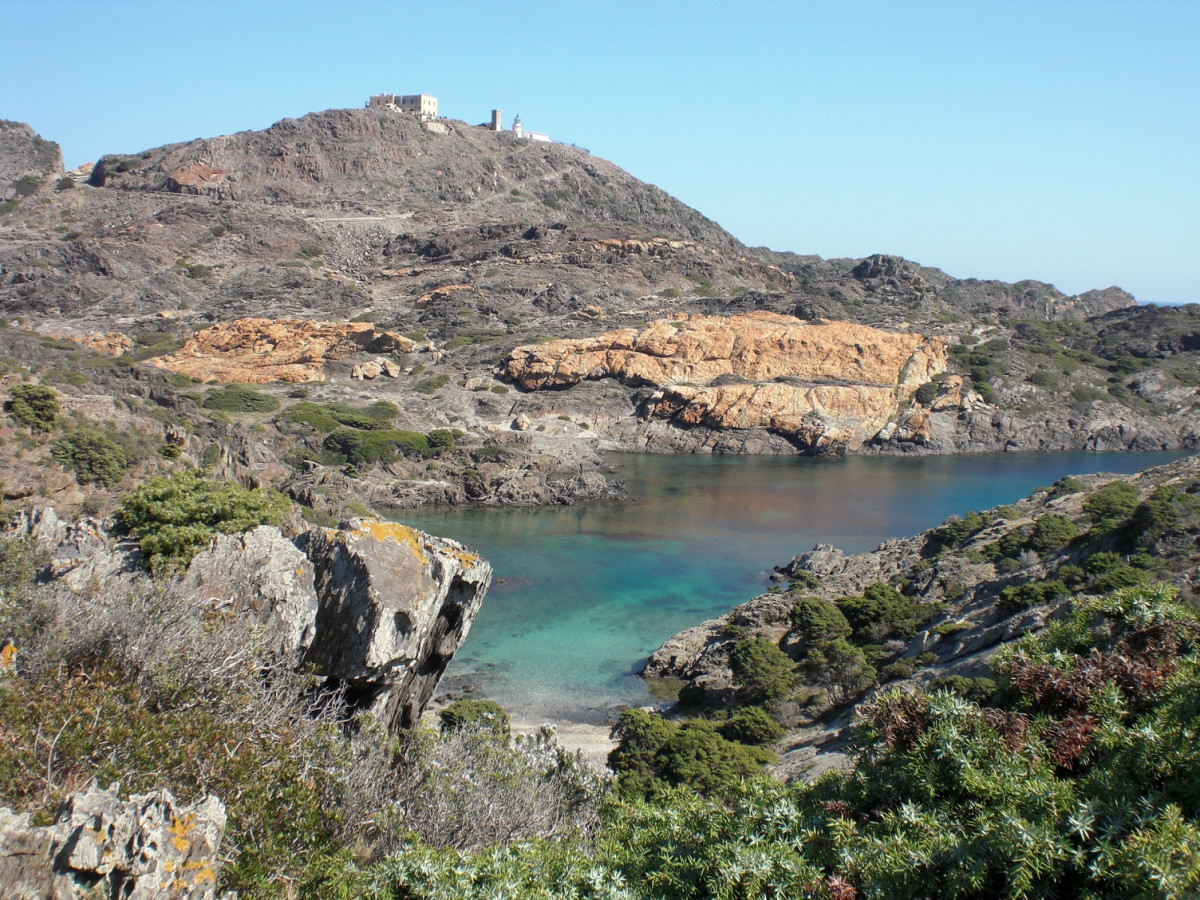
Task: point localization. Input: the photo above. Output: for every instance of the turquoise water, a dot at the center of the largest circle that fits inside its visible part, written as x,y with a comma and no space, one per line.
582,594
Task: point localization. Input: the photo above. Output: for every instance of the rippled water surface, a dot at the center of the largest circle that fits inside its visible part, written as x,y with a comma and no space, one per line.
582,594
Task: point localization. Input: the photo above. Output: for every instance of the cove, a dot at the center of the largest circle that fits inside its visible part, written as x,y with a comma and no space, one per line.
583,594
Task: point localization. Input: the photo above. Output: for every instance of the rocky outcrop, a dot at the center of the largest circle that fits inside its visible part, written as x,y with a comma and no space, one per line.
395,604
27,161
261,574
826,386
374,606
148,846
260,351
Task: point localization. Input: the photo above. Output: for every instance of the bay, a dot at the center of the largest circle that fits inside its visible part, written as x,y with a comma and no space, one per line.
582,594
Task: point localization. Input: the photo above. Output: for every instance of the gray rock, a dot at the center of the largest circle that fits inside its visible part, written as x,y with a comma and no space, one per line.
394,605
261,573
100,845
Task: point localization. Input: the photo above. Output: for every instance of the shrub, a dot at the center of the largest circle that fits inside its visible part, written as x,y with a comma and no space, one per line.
239,398
1111,505
883,612
762,671
1021,597
1051,533
1065,486
475,714
173,518
955,532
92,456
901,668
363,447
432,384
443,438
925,394
839,667
751,725
327,417
818,620
34,406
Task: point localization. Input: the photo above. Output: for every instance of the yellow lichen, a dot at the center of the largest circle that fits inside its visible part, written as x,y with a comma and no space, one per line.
7,655
179,830
394,531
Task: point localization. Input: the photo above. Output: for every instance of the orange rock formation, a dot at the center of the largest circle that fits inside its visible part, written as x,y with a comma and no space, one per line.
259,351
829,385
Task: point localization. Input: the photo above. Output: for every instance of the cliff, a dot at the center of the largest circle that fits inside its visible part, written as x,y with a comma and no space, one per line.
825,386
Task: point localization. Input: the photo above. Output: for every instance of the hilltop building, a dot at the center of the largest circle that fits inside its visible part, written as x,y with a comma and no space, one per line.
520,133
423,106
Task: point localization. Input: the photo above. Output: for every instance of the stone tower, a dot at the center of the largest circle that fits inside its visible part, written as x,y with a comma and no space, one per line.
497,125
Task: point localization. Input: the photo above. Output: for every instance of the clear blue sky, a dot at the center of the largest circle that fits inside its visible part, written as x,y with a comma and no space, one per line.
1049,140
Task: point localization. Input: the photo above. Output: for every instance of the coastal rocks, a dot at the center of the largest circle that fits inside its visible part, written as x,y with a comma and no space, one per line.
260,351
394,605
375,606
827,387
148,846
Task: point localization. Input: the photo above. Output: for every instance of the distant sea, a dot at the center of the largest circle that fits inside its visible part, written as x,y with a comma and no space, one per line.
583,594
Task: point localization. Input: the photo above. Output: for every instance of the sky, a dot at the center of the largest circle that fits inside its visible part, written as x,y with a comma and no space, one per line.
1057,140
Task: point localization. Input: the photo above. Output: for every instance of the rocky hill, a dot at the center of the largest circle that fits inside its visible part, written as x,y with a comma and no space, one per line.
477,252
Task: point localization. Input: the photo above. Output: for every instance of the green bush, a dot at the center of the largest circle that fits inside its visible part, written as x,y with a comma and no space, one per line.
443,438
1051,533
173,518
1066,486
751,725
475,714
1021,597
955,532
34,406
816,619
762,671
432,384
925,394
839,667
1111,505
92,456
653,754
327,417
364,447
882,612
901,668
239,398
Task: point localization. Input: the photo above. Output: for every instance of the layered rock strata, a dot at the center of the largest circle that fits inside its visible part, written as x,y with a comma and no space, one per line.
260,351
825,386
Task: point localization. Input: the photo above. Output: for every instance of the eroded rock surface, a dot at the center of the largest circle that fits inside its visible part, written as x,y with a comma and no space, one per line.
148,846
260,351
262,574
395,604
828,386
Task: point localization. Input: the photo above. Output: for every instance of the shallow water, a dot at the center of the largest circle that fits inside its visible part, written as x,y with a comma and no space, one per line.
582,594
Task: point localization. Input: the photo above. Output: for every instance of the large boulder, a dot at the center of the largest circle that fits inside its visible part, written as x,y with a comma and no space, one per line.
395,604
148,846
262,574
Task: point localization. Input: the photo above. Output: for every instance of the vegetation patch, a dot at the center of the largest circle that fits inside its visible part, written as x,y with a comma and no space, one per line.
173,518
